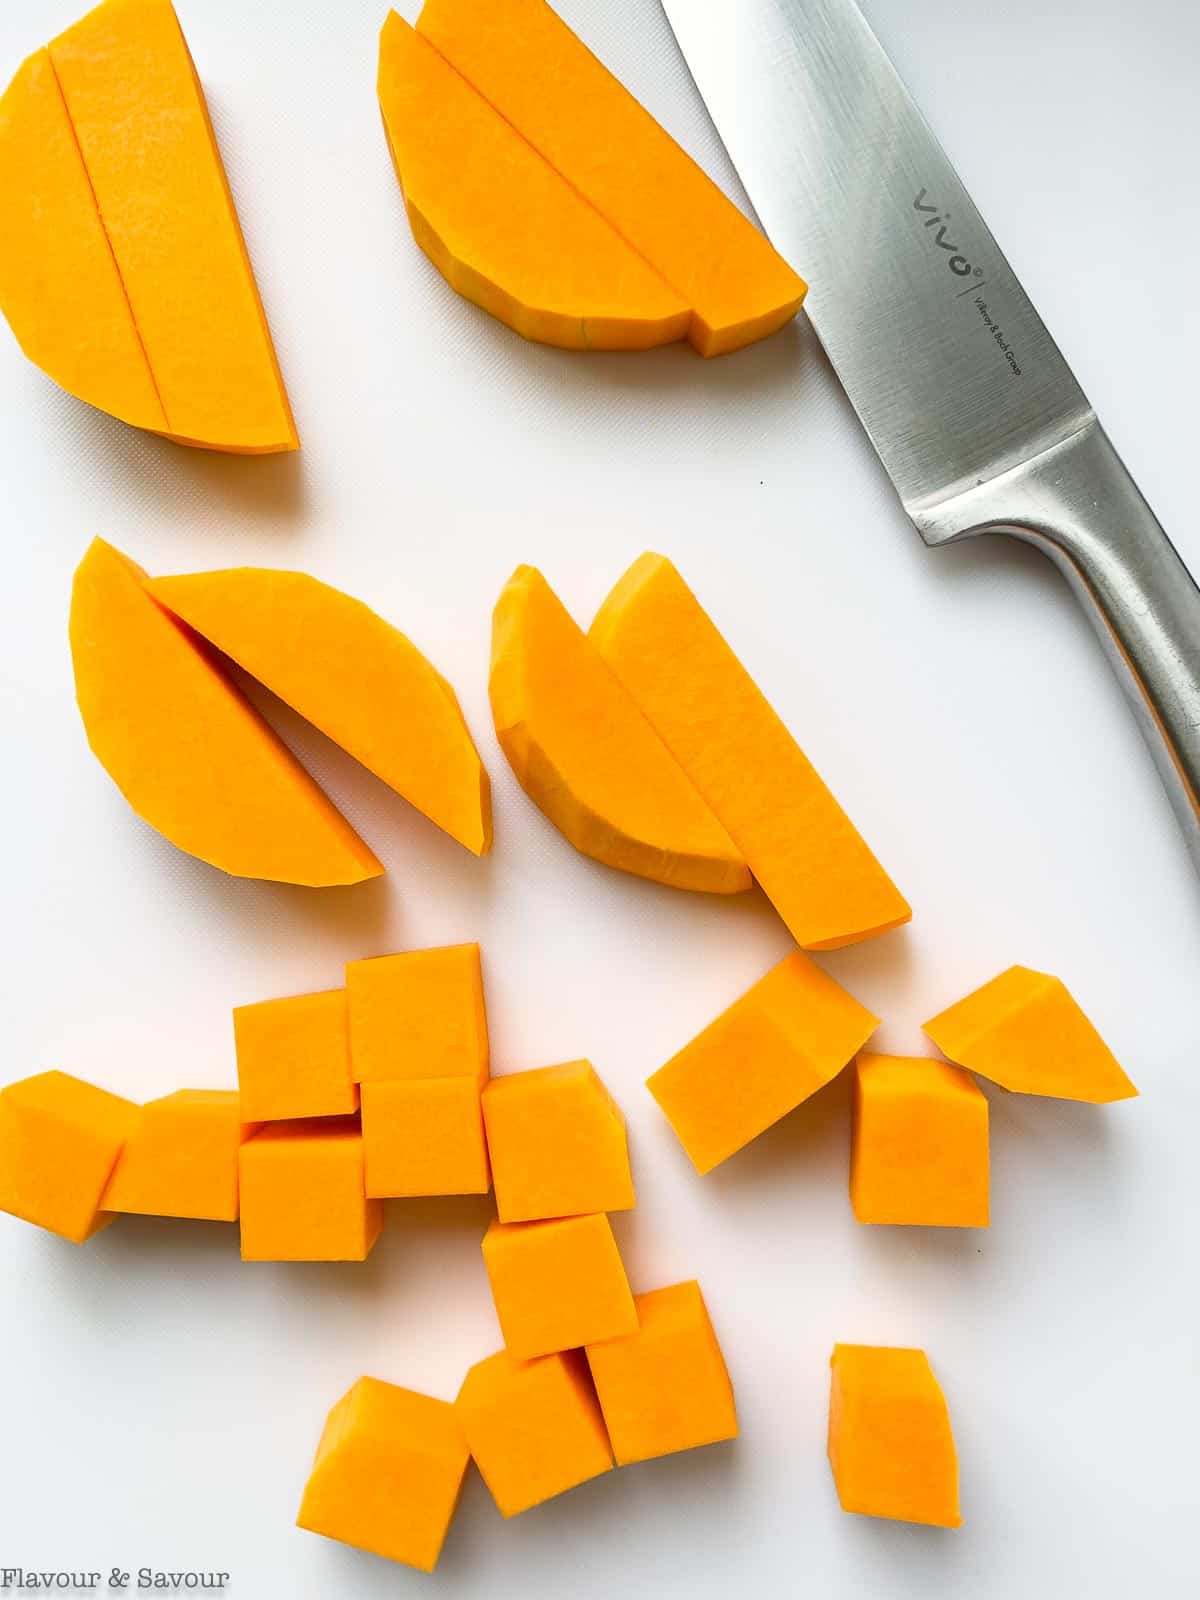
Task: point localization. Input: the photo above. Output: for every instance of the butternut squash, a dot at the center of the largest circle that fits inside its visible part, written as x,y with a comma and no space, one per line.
588,758
125,275
789,1035
1024,1031
533,1427
919,1149
890,1443
542,79
351,674
387,1473
503,228
187,750
557,1143
59,285
811,861
664,1387
557,1285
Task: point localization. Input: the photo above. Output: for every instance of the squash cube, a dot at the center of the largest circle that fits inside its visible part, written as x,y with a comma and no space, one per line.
789,1035
557,1285
59,1141
890,1443
424,1136
557,1143
419,1014
533,1427
293,1057
387,1473
302,1193
919,1149
1026,1032
181,1159
666,1387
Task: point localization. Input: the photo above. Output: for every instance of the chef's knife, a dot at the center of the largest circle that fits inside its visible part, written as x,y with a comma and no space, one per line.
968,401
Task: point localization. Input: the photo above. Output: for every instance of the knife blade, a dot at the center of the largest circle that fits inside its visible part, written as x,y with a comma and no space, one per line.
976,416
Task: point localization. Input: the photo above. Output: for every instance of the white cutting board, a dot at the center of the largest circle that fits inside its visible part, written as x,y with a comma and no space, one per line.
159,1402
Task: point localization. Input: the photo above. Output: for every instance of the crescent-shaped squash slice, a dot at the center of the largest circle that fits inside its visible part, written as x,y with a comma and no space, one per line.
503,228
525,61
586,755
144,133
187,750
59,285
350,673
813,864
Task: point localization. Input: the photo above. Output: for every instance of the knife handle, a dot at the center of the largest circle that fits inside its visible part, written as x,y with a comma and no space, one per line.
1078,504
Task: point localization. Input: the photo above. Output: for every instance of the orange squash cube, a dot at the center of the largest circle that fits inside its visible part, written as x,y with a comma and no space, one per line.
785,1038
419,1014
181,1160
293,1057
533,1427
303,1196
890,1443
59,1141
557,1285
424,1136
387,1473
1025,1031
666,1387
557,1144
919,1148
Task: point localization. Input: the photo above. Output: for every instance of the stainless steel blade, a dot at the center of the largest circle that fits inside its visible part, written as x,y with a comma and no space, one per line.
944,358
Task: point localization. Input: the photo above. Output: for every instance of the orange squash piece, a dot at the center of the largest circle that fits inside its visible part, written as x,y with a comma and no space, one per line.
418,1014
588,758
187,750
557,1143
785,1038
293,1057
302,1193
59,1141
181,1159
502,227
424,1136
1024,1031
557,1285
533,1427
811,861
142,126
890,1443
387,1473
919,1150
350,674
59,285
664,1387
541,78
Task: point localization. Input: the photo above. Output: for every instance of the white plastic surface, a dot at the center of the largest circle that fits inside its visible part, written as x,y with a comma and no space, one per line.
159,1401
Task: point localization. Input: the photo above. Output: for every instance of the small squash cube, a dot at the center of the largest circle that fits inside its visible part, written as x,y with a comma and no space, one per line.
890,1444
424,1136
919,1148
293,1057
557,1143
59,1141
533,1427
419,1014
557,1285
302,1193
387,1473
666,1387
785,1038
181,1159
